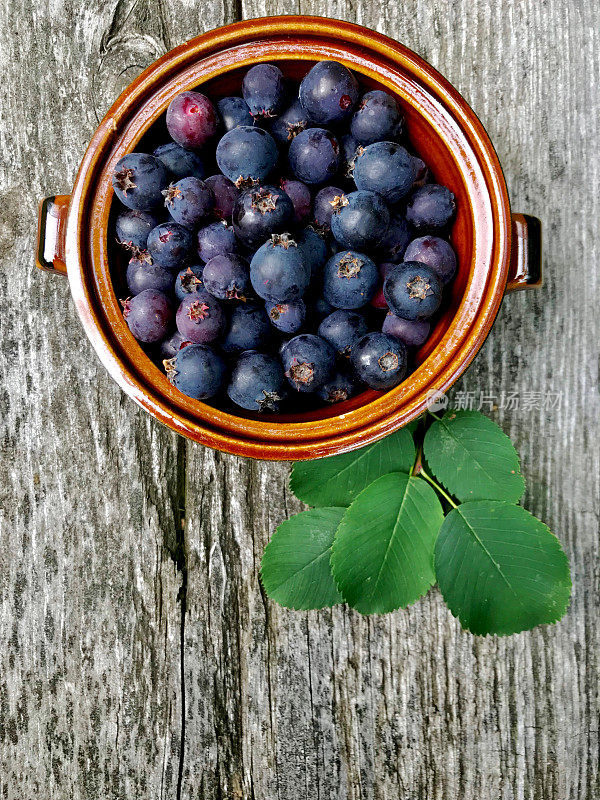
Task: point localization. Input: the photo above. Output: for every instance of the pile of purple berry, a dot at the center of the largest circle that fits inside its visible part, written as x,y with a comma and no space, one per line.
311,261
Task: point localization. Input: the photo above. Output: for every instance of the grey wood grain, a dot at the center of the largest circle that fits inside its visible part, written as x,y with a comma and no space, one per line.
102,579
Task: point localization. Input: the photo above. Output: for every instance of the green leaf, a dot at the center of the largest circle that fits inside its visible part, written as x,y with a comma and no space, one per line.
382,555
295,567
336,480
500,569
473,458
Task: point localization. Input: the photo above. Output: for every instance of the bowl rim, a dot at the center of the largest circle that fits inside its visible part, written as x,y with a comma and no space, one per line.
208,55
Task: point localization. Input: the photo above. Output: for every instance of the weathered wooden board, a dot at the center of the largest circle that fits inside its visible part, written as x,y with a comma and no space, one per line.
95,688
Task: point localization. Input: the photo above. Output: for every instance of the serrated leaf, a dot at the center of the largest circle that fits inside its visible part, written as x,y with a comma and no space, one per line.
295,568
336,480
382,555
473,458
500,569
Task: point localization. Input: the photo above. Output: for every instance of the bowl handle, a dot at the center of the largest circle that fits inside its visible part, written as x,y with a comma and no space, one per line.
525,271
52,225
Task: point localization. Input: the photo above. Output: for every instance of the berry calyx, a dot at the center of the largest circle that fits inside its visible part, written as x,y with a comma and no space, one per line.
269,401
419,288
264,201
349,266
198,311
171,193
338,202
301,372
283,240
388,361
189,281
124,180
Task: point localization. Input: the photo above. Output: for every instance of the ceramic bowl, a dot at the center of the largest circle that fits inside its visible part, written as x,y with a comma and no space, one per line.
497,251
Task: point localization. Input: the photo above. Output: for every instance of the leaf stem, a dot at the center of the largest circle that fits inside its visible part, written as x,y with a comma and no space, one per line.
437,487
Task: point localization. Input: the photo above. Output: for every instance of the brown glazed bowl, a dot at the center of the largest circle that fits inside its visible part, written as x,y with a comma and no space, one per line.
497,252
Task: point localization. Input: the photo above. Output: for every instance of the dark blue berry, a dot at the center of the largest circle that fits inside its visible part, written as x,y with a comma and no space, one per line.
246,155
413,291
308,362
360,220
342,329
248,329
133,227
377,118
143,273
431,207
412,332
260,212
234,112
149,315
341,386
287,317
225,194
257,382
196,370
279,271
188,281
391,248
170,244
226,277
216,239
379,360
189,201
329,92
200,318
138,180
264,91
299,194
386,168
192,119
436,253
318,309
349,147
323,206
314,155
289,123
349,279
180,163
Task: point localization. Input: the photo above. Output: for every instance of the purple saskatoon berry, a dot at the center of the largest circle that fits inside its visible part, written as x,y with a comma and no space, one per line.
314,155
191,119
133,226
215,240
413,291
188,281
324,204
180,163
342,329
263,89
431,207
378,300
360,220
143,273
225,194
436,253
246,155
379,360
386,168
329,92
234,112
197,371
172,345
394,243
287,317
226,277
314,247
149,315
349,280
138,180
341,386
279,271
377,118
200,318
422,175
289,123
257,383
189,201
260,212
299,194
170,244
412,332
308,362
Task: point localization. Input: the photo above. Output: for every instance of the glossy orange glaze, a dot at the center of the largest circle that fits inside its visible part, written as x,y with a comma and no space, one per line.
442,128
